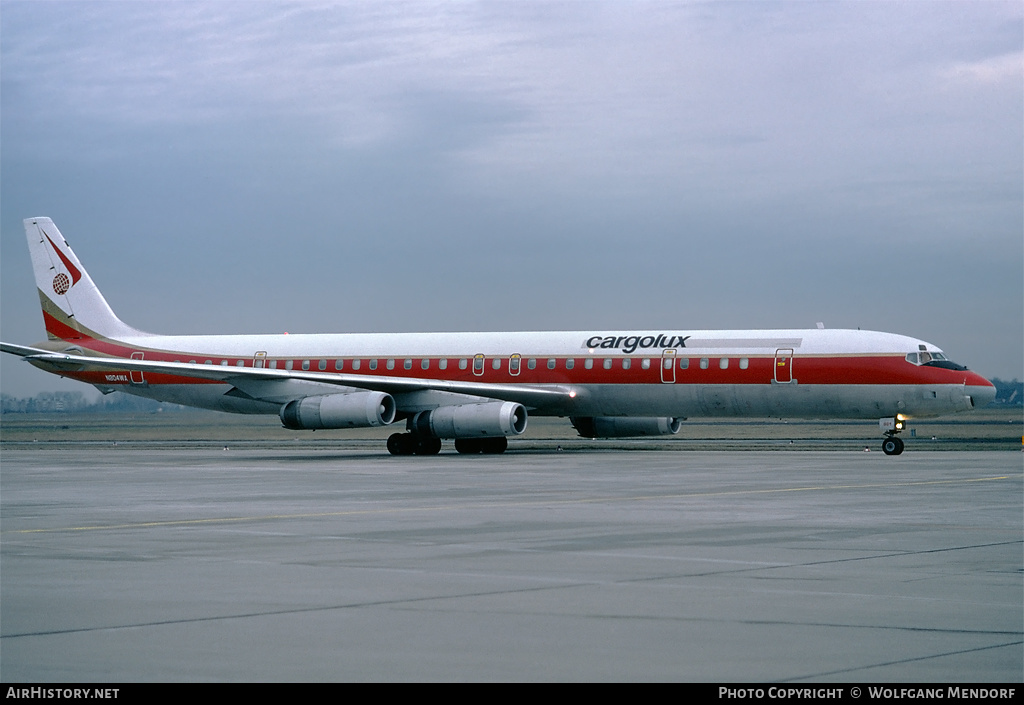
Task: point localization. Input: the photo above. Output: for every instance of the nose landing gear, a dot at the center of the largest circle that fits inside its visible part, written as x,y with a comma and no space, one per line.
892,444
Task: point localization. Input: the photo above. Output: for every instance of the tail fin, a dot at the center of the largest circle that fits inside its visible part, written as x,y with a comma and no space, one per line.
73,308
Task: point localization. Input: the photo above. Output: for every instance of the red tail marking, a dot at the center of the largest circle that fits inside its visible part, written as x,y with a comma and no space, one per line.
72,269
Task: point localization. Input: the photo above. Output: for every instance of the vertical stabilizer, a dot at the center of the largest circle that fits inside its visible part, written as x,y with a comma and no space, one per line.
73,308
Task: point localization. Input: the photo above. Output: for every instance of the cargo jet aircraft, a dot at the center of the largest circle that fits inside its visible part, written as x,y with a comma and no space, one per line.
479,388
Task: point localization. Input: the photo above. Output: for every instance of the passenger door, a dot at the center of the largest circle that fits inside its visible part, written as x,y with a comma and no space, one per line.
784,365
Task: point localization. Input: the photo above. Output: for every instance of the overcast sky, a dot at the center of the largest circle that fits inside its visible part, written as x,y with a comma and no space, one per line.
333,167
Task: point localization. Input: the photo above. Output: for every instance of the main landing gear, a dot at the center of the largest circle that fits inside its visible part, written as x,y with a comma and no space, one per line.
487,446
892,444
408,444
411,444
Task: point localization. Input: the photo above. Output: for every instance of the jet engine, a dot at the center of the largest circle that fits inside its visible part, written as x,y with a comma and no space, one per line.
355,410
486,420
624,426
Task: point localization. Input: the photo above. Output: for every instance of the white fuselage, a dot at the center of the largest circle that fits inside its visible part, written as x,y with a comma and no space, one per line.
778,373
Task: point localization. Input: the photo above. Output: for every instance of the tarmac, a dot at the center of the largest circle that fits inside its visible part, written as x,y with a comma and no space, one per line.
151,564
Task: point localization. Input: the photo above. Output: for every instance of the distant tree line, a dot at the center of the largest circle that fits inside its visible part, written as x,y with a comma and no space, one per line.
1008,394
77,403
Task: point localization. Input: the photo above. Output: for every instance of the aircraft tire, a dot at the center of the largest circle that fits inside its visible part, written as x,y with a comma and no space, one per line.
401,444
494,446
427,446
892,446
468,446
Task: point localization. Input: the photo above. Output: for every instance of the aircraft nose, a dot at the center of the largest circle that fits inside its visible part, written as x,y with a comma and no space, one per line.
981,391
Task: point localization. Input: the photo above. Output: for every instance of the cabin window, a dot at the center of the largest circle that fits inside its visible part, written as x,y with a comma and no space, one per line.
570,363
408,363
240,363
391,364
322,365
305,364
425,364
607,363
210,362
513,364
442,364
589,363
463,363
373,364
684,363
273,364
191,362
355,364
645,363
339,365
744,363
478,364
704,363
496,364
531,364
551,363
626,363
289,364
723,364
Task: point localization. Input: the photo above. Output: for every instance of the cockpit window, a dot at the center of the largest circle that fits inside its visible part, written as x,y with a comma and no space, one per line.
933,359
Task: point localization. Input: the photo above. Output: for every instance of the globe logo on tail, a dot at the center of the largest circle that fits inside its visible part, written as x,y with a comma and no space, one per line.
61,284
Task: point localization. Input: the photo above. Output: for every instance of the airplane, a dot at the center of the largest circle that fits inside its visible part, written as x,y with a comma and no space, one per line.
480,388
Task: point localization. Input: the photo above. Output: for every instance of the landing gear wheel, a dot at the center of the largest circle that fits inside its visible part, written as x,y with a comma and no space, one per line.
469,446
488,446
494,446
427,446
401,444
892,446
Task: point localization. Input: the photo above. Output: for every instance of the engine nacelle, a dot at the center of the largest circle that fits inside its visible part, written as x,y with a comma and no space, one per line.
624,426
487,420
355,410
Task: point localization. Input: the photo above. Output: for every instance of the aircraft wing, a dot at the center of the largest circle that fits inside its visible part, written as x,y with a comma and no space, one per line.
532,396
